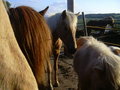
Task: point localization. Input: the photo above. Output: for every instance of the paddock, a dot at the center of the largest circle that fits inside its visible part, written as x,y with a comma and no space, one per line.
66,75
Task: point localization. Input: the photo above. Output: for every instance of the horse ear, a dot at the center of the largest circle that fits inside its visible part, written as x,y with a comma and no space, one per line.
77,14
44,11
64,14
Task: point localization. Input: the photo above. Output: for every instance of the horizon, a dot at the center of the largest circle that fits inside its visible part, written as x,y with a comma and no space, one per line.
91,7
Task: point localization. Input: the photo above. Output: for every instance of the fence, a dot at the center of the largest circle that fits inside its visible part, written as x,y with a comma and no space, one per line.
81,26
81,23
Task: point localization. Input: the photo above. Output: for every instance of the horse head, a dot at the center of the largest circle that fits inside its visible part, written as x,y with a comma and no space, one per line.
96,65
110,21
103,70
67,30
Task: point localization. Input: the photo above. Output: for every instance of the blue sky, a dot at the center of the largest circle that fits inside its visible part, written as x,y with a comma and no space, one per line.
87,6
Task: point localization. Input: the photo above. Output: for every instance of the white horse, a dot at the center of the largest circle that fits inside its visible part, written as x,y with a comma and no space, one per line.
15,73
98,68
63,27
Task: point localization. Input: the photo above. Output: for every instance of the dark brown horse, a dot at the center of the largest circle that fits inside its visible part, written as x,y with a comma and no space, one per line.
34,39
15,72
99,25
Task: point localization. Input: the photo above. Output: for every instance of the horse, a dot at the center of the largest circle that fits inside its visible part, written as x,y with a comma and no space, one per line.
63,28
97,67
34,38
99,25
15,72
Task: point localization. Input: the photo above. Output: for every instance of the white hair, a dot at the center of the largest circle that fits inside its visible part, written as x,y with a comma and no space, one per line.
54,20
95,54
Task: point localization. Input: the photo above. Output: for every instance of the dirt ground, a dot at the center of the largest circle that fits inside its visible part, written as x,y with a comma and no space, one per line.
66,74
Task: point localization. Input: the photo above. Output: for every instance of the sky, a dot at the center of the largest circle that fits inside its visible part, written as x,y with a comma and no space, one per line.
86,6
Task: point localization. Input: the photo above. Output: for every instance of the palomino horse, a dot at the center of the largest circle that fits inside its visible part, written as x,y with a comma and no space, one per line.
99,25
34,39
63,27
15,72
98,68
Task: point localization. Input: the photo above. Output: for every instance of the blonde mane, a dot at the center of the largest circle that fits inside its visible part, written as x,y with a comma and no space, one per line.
56,19
99,57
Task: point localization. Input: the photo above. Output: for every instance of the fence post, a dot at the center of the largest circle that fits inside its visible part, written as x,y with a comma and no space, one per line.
84,22
70,5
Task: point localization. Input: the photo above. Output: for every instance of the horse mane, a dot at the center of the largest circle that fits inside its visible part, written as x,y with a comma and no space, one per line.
34,38
57,18
54,19
107,18
108,61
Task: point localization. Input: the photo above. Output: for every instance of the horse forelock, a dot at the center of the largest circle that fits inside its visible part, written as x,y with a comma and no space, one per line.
71,20
60,25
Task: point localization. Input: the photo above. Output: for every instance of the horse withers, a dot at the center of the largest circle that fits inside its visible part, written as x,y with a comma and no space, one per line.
97,67
15,72
63,27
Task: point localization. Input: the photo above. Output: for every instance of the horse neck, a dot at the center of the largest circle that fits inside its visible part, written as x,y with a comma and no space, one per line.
53,23
8,44
6,33
55,36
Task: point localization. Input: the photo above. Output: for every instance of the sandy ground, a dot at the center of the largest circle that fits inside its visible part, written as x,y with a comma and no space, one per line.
66,74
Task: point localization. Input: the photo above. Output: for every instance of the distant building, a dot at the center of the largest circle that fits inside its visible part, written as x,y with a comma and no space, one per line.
70,5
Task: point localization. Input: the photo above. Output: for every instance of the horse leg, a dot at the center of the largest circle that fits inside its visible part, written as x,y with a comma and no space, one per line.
79,88
79,85
50,86
56,53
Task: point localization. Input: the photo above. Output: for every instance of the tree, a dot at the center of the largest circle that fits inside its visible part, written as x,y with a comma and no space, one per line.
8,4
